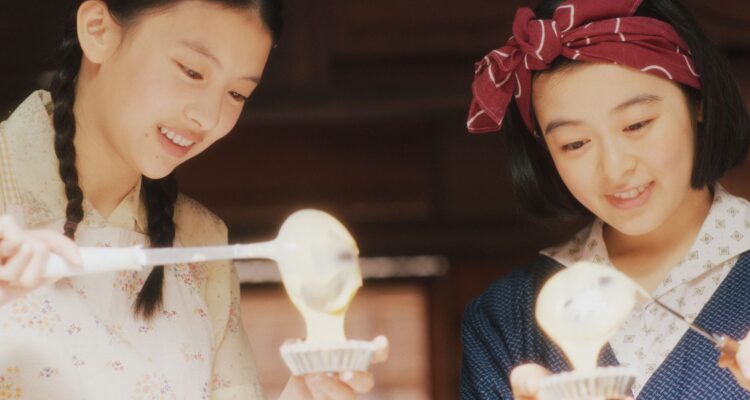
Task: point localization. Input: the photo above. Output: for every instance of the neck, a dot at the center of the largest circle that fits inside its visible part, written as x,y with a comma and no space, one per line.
103,174
649,258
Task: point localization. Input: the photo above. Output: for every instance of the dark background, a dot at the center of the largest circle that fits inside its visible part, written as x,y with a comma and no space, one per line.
362,113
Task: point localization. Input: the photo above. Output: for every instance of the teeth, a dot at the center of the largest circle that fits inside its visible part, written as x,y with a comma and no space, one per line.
631,194
175,138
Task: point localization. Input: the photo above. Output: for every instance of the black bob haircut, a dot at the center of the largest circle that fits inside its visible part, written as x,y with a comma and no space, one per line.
721,140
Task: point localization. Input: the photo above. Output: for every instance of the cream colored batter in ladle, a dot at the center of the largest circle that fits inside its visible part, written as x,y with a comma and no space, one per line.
581,307
317,257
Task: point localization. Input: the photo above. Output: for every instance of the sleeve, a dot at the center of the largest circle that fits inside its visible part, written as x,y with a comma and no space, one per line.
234,373
486,360
2,168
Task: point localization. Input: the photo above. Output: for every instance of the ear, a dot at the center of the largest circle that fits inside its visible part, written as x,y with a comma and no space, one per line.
98,33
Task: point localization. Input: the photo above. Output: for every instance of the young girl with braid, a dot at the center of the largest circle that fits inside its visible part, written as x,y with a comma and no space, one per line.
623,111
142,87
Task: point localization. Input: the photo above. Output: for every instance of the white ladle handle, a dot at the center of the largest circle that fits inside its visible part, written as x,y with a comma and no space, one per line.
95,260
105,259
265,250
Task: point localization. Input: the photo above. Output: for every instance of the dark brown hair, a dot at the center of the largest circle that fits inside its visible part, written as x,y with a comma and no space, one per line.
159,194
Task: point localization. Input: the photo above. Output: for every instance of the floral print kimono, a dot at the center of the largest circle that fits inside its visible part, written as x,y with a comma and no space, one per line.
78,338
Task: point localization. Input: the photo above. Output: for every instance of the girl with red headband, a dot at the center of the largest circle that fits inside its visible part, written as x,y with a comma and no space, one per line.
623,111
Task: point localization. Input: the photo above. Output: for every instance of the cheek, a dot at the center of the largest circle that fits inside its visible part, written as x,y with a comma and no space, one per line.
148,96
671,153
578,177
229,118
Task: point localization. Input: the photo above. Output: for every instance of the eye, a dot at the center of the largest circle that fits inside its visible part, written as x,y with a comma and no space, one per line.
238,97
192,74
637,126
575,145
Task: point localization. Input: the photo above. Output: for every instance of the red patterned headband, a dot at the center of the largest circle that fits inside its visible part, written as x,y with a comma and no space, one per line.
583,30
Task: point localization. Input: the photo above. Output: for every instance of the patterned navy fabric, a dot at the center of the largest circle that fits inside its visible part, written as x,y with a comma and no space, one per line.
500,332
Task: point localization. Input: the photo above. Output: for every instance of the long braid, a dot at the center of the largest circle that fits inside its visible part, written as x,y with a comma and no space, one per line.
160,196
63,93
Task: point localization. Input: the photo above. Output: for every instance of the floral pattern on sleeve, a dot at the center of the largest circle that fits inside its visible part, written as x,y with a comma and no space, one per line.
84,327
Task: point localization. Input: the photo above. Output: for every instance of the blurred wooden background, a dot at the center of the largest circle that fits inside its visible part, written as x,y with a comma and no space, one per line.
362,113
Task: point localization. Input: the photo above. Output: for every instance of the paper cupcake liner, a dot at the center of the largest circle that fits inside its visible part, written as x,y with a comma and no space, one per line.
304,358
602,383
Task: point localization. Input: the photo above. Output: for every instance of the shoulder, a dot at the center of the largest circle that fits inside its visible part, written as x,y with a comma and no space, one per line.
499,331
506,308
515,292
196,225
33,114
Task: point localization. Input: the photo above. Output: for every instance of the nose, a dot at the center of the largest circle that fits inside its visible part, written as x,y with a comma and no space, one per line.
617,160
204,111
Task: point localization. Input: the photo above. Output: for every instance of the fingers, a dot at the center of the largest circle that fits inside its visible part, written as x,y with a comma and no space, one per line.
729,362
61,245
363,381
739,360
323,387
738,376
295,389
360,382
290,342
524,380
328,386
11,271
724,360
32,274
742,358
382,349
347,384
11,236
25,268
10,293
24,253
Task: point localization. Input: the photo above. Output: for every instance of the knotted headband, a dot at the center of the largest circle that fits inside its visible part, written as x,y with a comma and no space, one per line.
582,30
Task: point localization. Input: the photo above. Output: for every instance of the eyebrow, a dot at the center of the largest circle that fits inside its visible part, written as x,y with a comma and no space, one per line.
559,124
202,50
640,99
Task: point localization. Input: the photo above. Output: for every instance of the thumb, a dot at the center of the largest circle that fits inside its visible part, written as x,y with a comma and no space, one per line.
524,379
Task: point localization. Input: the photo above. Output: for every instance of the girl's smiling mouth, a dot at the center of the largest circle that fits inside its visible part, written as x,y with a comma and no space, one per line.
632,197
177,144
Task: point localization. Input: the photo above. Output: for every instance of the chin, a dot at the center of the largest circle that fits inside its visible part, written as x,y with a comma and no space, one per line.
635,226
156,172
